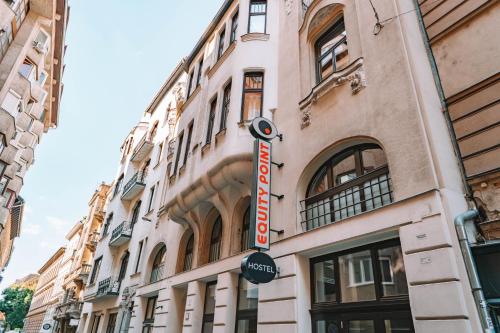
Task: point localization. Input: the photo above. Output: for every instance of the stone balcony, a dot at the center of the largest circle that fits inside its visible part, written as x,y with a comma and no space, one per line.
142,149
84,273
92,241
7,124
71,309
23,121
121,234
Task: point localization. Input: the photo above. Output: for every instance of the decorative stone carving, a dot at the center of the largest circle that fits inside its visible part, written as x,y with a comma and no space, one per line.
306,117
171,147
180,95
357,80
288,6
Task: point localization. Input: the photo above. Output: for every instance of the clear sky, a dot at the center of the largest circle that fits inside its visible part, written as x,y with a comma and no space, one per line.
119,54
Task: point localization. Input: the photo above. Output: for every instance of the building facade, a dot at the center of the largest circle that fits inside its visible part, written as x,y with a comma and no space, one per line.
367,184
32,34
82,241
28,282
46,295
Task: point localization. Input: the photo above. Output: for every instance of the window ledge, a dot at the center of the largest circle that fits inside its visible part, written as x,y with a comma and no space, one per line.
353,73
205,148
219,62
244,123
220,135
134,275
255,36
191,97
182,169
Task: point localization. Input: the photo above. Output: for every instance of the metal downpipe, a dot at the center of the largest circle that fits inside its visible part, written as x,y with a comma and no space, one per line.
477,290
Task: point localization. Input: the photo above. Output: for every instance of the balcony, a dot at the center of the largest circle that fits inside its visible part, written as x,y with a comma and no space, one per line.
69,310
121,234
134,186
354,197
143,148
84,273
92,241
108,288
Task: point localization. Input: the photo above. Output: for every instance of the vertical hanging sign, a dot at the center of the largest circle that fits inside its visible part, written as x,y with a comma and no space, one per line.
260,213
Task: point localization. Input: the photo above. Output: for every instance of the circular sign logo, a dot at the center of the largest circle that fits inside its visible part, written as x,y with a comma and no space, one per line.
46,326
258,268
262,128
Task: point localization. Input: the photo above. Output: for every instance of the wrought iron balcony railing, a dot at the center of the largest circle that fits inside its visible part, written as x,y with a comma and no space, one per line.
135,185
108,287
359,195
121,234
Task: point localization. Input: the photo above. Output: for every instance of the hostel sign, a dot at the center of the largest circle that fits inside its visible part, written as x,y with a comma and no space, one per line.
260,223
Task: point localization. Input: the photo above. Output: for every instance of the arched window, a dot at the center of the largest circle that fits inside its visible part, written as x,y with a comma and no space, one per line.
123,266
245,231
331,50
351,182
215,240
158,265
188,255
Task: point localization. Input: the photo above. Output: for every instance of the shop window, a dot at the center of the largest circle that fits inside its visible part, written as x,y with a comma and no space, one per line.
371,280
215,240
209,309
332,53
220,48
253,95
246,312
257,16
188,255
149,318
158,268
354,181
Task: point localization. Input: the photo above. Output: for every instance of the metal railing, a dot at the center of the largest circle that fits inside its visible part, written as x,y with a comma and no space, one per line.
137,178
157,274
108,286
124,229
359,195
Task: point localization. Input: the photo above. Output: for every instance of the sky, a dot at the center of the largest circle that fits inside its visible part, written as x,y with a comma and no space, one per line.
119,54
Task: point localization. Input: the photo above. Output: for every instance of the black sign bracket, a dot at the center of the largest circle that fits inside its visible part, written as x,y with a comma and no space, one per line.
279,165
278,196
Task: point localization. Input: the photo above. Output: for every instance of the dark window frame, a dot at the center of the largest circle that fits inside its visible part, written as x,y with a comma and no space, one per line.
188,254
138,261
208,318
158,264
190,83
200,73
180,138
226,104
330,33
250,90
247,314
215,240
250,15
222,43
110,327
107,224
234,27
148,322
391,306
188,141
123,266
245,231
95,270
211,120
118,185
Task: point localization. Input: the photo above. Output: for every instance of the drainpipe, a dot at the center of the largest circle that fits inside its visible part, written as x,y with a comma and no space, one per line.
477,290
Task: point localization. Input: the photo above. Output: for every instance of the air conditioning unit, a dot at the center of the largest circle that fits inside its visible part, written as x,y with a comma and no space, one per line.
39,47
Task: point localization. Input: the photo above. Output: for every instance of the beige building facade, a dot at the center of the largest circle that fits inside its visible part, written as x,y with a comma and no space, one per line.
367,183
28,282
32,34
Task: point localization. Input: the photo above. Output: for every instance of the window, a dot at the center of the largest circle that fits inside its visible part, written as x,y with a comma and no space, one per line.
3,166
111,323
188,142
200,72
3,184
370,279
220,49
354,181
123,266
211,120
3,143
95,270
188,255
209,310
257,17
331,51
149,318
226,101
190,83
234,28
40,42
245,231
135,213
215,240
138,261
118,185
95,324
107,224
158,265
151,198
160,152
253,95
178,153
248,301
28,70
154,130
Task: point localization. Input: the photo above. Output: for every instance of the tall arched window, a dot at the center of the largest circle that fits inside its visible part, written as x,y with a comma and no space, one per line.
123,266
215,240
188,255
351,182
245,231
158,265
331,50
